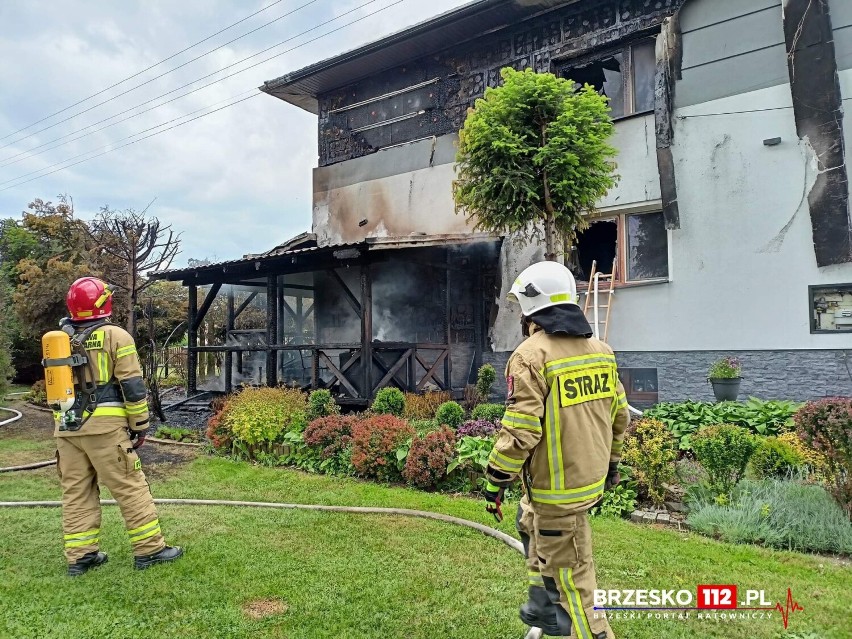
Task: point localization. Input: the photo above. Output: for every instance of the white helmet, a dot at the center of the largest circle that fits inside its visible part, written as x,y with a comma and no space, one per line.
543,285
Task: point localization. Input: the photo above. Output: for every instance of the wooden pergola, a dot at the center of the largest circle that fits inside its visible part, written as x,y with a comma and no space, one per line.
355,371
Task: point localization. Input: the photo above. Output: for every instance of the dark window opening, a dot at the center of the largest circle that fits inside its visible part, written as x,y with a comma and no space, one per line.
647,247
598,243
606,76
831,308
640,386
626,77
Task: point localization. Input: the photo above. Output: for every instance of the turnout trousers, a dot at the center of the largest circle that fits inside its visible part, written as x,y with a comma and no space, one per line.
85,461
563,544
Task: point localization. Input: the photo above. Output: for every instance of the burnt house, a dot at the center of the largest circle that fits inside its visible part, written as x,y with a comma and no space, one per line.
729,232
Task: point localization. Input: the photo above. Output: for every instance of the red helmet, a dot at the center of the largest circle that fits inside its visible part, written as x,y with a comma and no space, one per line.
89,298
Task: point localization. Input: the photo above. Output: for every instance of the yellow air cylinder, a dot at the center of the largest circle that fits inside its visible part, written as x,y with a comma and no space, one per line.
58,380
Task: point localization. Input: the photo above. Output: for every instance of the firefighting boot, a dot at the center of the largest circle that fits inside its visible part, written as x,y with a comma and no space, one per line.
86,563
169,553
540,612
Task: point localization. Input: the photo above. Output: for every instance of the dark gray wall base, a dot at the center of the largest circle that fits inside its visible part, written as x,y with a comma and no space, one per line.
798,374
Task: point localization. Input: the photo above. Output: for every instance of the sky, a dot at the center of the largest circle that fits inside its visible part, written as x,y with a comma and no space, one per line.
233,182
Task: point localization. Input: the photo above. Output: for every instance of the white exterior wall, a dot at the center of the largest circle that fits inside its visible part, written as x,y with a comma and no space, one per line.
742,261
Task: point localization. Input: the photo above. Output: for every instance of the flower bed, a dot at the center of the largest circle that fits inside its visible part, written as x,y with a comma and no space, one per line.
447,448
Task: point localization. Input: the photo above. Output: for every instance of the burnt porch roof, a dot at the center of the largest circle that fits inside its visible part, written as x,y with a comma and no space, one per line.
452,28
283,260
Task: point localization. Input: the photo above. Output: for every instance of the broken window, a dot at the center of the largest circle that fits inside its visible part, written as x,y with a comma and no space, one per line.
625,76
636,243
647,247
606,76
831,308
598,245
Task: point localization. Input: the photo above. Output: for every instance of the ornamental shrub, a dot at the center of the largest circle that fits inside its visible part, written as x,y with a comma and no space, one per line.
321,404
815,462
257,415
450,413
389,401
429,457
491,412
485,380
775,458
219,434
826,427
723,451
331,438
423,406
780,513
478,428
374,444
651,451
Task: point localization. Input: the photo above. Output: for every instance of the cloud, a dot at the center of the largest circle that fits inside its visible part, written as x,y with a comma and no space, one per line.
235,182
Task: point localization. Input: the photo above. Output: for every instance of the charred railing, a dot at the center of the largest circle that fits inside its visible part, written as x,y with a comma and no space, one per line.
339,367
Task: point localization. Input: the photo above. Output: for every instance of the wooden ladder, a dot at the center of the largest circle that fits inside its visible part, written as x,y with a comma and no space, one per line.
592,298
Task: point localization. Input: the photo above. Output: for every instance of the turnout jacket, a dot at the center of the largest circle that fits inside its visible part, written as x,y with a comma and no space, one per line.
121,397
565,419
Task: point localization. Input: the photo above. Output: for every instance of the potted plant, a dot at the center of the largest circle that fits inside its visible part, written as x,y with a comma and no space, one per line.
725,378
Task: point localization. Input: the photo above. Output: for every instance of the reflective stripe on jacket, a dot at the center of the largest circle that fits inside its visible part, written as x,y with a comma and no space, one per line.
114,367
565,420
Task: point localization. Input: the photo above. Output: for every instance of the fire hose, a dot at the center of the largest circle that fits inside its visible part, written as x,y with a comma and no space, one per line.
511,542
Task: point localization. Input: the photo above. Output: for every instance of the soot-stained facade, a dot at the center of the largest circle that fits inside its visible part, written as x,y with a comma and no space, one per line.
728,232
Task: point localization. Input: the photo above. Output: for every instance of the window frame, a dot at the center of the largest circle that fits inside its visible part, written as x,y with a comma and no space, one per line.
561,67
626,373
813,290
622,249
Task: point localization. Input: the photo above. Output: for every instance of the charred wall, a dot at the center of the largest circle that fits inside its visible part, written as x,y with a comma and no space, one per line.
352,123
818,108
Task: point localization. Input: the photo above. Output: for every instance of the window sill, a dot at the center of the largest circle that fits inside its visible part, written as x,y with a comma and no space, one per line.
582,287
631,116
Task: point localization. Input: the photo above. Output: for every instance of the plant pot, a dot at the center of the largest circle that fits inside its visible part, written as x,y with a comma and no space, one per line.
726,390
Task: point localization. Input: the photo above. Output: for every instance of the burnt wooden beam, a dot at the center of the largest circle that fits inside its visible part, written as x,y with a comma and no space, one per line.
271,330
244,305
339,375
300,319
448,362
192,341
286,306
229,355
432,370
366,328
391,371
818,110
208,302
669,56
347,294
309,312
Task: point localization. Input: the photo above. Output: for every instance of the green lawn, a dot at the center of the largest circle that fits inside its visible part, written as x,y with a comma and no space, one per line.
359,576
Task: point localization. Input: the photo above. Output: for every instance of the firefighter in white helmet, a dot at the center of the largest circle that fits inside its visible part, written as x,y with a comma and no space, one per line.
562,433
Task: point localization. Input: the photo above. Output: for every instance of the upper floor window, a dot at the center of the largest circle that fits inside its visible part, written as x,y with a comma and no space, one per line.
625,76
635,244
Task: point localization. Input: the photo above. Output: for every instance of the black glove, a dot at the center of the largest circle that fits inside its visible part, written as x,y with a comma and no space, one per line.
137,438
494,498
613,477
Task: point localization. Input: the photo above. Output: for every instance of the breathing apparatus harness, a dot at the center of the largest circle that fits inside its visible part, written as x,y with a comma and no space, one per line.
85,396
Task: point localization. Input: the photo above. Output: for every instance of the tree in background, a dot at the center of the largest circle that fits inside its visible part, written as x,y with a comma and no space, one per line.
7,370
534,154
127,245
38,254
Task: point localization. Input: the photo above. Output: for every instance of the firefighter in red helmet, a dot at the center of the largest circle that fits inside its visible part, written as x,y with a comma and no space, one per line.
97,443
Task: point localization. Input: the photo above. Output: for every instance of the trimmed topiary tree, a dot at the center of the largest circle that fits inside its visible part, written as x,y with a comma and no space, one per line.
389,401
